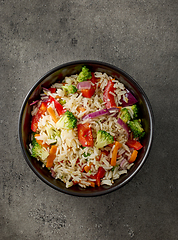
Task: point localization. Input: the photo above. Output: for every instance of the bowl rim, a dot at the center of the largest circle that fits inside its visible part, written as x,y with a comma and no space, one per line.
150,114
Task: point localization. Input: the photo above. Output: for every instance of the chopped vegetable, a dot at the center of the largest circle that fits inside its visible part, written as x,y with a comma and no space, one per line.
84,75
52,156
84,85
40,141
96,114
35,119
81,109
85,135
134,144
133,110
100,174
59,108
52,90
103,139
38,151
67,121
124,126
92,184
52,114
124,115
88,93
133,156
53,133
130,99
136,128
114,153
87,168
108,96
34,102
69,89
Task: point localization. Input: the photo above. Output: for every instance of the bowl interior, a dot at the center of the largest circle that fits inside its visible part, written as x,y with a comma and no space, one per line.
58,74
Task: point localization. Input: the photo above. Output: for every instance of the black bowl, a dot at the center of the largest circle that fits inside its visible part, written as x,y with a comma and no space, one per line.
58,74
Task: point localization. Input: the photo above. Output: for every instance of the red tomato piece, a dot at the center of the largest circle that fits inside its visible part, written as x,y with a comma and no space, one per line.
107,97
35,119
85,135
134,144
52,90
88,93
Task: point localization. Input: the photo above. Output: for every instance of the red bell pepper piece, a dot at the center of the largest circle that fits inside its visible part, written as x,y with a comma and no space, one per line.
35,119
134,144
100,174
85,135
59,108
107,97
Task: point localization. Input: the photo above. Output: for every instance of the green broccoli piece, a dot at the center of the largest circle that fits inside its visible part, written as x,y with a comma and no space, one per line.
125,115
69,89
103,138
133,111
61,101
136,128
67,121
38,151
84,74
53,133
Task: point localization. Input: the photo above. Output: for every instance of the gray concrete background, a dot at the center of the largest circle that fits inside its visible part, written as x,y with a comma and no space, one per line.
139,37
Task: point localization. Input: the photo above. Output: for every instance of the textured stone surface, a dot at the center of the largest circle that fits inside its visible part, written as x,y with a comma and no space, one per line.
140,37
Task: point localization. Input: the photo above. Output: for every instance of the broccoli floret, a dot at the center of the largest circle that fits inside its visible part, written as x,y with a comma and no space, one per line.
136,128
61,101
103,138
84,74
38,151
53,133
125,115
133,111
69,89
67,121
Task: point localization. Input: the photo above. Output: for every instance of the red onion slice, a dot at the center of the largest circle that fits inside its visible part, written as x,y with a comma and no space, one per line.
45,89
123,164
34,102
96,114
131,99
123,125
84,85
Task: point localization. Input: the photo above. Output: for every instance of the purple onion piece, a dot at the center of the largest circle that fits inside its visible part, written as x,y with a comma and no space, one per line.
124,125
34,102
97,114
45,89
123,164
131,99
84,85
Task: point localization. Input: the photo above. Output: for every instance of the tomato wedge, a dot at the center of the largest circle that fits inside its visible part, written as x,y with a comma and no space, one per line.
85,135
107,96
88,93
134,144
35,119
52,90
